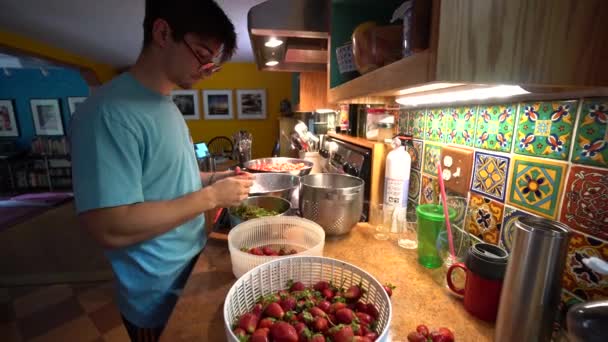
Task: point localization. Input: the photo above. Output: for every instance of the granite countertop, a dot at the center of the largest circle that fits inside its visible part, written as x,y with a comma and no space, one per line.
419,297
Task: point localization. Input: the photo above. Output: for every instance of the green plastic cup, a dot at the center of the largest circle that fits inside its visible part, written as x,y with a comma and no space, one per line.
431,221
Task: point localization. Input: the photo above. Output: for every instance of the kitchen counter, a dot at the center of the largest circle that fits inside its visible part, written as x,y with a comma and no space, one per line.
418,298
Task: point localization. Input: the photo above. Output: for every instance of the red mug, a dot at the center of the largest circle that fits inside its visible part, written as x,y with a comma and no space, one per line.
485,268
481,295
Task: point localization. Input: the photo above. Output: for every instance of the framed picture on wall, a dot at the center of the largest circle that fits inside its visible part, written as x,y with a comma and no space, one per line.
251,104
47,117
218,104
74,102
188,103
8,121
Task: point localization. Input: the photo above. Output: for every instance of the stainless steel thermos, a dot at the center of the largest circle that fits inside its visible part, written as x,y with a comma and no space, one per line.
532,286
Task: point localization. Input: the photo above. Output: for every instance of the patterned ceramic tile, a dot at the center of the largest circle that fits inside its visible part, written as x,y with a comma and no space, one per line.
536,185
461,126
545,129
508,229
431,158
418,124
494,130
578,278
490,175
403,120
416,154
436,120
585,205
591,144
430,190
414,191
485,218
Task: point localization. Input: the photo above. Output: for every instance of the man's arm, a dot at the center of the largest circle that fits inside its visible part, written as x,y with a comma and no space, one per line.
125,225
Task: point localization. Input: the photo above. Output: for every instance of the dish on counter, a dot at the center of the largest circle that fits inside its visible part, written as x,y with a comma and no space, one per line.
248,212
279,167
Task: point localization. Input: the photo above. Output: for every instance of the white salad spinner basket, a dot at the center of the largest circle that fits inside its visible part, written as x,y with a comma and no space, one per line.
307,237
273,276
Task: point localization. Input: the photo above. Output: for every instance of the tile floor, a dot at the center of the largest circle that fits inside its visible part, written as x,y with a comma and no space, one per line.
53,313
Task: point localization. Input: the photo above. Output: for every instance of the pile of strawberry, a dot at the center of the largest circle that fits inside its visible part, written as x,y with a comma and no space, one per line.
301,314
422,334
268,251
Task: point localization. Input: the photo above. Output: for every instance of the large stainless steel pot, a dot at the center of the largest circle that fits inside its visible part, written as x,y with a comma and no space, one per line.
334,201
278,185
254,165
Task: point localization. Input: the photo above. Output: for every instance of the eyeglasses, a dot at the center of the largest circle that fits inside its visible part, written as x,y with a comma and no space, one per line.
207,68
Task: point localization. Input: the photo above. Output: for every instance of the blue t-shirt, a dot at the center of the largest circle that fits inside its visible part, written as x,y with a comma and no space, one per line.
130,144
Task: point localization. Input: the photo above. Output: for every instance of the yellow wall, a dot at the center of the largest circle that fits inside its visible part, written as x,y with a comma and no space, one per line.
245,76
104,72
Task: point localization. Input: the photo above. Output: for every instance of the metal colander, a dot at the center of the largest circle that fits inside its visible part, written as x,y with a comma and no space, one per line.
332,200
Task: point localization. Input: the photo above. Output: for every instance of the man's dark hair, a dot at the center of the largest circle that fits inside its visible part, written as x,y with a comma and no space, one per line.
201,17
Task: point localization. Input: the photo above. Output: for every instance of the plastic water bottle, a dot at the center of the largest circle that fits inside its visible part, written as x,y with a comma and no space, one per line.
397,180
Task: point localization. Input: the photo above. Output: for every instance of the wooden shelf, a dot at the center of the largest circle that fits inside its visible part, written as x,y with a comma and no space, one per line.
385,81
355,140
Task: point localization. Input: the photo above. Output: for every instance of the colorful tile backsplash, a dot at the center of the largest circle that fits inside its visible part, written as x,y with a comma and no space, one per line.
591,143
585,205
494,129
580,279
485,218
414,190
416,154
490,175
545,129
544,158
461,125
536,185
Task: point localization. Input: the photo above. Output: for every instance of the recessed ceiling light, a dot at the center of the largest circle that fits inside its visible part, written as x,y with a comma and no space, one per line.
273,42
272,63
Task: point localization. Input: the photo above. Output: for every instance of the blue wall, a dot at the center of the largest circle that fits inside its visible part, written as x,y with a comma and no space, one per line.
25,84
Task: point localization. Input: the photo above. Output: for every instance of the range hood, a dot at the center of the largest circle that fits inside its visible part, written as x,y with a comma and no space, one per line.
302,26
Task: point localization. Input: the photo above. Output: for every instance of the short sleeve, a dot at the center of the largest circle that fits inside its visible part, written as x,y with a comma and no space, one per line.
106,162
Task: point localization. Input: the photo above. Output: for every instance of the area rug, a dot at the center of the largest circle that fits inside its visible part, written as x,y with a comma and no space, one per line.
16,209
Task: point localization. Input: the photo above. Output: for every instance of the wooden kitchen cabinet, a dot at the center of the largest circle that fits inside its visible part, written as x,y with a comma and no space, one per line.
313,92
539,44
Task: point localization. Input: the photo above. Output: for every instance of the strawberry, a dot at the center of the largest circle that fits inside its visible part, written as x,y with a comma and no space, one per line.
268,251
260,335
297,286
372,311
342,333
388,287
321,285
364,318
292,252
345,316
283,332
372,335
415,336
291,317
240,332
274,310
336,306
288,303
448,335
353,293
282,251
423,330
324,305
257,310
361,307
317,338
316,312
248,322
361,339
320,324
266,322
256,251
327,294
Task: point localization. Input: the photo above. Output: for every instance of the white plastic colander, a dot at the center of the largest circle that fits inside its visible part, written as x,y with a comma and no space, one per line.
273,276
307,237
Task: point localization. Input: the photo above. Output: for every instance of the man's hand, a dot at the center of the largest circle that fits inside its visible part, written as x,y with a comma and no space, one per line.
231,191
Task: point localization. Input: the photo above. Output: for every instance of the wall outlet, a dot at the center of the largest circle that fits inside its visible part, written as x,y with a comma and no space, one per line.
457,166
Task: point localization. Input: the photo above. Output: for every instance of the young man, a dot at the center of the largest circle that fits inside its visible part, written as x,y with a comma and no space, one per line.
137,186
